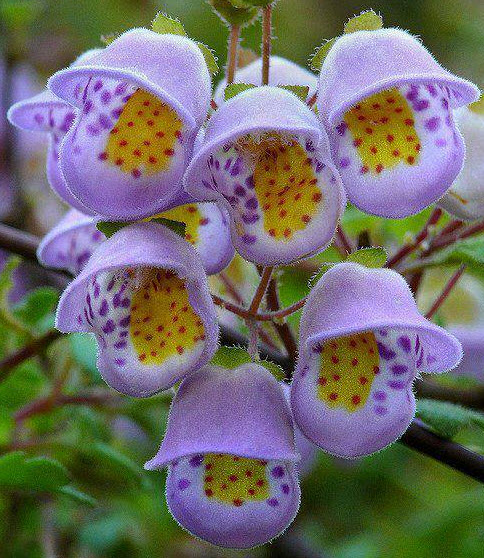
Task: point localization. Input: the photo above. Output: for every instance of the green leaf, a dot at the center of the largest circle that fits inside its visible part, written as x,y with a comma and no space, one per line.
232,357
118,463
317,59
36,305
469,251
108,228
478,106
369,257
232,14
84,351
7,425
6,279
366,21
167,25
210,58
248,3
447,419
77,495
301,91
234,89
41,474
20,13
177,227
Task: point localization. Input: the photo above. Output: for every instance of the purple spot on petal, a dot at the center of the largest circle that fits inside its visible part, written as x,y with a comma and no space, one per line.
250,219
385,352
379,396
183,484
87,106
433,124
432,90
273,502
196,460
285,488
396,384
251,203
344,163
431,359
105,122
120,345
404,343
277,472
103,310
120,361
380,410
341,128
248,238
399,369
249,182
124,322
109,327
421,104
239,190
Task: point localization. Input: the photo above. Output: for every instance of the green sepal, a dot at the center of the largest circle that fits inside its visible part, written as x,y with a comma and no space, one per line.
210,58
231,14
234,89
369,257
301,91
317,59
177,227
167,25
366,21
108,228
232,357
447,419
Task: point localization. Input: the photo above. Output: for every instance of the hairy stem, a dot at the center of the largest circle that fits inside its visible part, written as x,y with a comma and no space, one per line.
261,289
446,291
283,329
232,52
266,42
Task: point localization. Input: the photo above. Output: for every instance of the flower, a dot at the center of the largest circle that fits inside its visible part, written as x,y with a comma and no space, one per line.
207,229
472,340
45,112
70,243
362,342
265,158
230,450
144,295
282,72
141,101
465,199
387,106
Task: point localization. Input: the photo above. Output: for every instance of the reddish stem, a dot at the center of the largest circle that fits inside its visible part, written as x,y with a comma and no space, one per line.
446,291
266,42
344,240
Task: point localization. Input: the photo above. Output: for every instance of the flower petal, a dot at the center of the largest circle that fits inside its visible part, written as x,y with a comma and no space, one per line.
352,395
472,339
145,296
264,159
232,501
70,244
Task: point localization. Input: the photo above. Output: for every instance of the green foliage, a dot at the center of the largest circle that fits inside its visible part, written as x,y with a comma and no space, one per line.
317,59
168,25
36,308
84,351
369,257
117,463
20,13
234,89
232,357
232,14
41,474
366,21
301,91
448,419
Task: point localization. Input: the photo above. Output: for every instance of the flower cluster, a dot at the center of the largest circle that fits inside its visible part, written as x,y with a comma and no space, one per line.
267,174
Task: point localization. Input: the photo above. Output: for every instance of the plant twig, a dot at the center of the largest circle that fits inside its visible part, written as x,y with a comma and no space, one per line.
232,52
266,42
421,236
261,289
283,329
32,348
446,291
344,240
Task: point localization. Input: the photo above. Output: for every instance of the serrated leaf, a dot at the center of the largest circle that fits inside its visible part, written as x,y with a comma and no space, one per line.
41,474
36,305
75,494
276,370
369,257
319,56
234,89
210,58
447,419
366,21
178,227
165,24
301,91
229,13
317,276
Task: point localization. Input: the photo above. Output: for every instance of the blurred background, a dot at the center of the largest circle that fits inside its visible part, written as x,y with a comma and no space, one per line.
395,504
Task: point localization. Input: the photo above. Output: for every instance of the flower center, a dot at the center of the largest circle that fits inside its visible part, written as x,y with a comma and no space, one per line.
145,137
383,131
163,323
348,367
235,480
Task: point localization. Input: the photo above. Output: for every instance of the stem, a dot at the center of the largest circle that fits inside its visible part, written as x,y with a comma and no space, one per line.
234,308
421,236
345,242
213,104
266,42
471,397
261,289
312,99
446,291
34,347
423,440
283,329
232,53
440,242
284,312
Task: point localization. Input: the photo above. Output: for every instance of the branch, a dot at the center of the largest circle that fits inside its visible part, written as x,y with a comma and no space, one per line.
283,329
446,291
232,52
266,42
